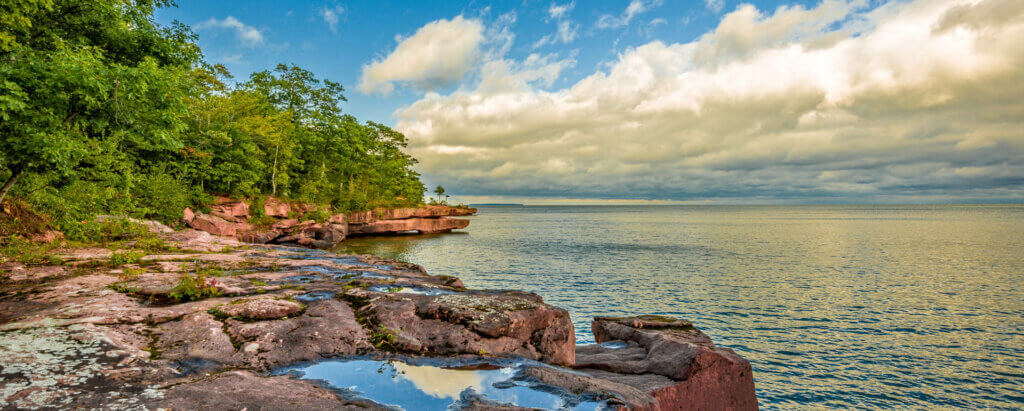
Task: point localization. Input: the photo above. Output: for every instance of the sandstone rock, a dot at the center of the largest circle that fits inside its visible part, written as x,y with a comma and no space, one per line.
218,226
284,224
328,328
258,236
196,240
338,219
230,210
510,322
260,309
154,227
240,390
671,361
422,225
188,215
276,208
195,336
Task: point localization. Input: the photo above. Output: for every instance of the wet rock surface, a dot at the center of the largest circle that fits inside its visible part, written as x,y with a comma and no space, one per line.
86,334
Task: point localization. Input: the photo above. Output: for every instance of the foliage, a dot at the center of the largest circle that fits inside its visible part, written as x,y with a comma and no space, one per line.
192,288
103,111
119,258
317,215
130,274
14,248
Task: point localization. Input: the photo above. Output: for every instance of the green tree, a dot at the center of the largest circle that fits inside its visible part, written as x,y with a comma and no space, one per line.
439,191
85,79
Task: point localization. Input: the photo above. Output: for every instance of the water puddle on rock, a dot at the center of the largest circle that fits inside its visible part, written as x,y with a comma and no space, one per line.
348,275
314,296
408,289
614,345
303,279
434,385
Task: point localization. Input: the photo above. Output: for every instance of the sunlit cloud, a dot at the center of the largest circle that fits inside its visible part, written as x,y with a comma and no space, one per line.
439,54
918,99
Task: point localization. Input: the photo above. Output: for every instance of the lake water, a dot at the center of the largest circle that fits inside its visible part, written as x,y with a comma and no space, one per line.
835,306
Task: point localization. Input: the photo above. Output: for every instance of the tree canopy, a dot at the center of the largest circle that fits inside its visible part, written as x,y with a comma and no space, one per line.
102,110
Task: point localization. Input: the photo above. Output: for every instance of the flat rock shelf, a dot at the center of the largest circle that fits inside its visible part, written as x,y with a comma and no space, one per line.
271,327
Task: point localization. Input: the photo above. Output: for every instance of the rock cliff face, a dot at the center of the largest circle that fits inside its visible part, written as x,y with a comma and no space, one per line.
231,218
203,325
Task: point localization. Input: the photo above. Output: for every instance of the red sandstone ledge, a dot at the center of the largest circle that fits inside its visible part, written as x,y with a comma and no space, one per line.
231,218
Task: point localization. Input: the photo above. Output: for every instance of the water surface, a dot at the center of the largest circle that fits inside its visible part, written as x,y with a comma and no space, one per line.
835,306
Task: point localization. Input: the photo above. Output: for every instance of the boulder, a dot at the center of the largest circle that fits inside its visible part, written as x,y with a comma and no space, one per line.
284,224
507,322
259,309
328,328
669,360
230,210
258,236
217,226
276,208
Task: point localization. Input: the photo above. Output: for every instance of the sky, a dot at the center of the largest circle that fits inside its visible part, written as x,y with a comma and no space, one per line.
660,101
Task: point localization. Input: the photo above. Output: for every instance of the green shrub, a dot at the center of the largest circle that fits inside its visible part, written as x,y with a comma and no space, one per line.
161,197
130,273
317,215
14,248
119,258
192,288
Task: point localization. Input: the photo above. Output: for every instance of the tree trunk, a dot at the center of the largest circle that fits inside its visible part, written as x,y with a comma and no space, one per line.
16,172
273,174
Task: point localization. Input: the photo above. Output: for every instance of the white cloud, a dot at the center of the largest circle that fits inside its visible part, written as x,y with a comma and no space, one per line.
636,7
439,54
331,16
714,5
566,33
918,99
557,11
249,36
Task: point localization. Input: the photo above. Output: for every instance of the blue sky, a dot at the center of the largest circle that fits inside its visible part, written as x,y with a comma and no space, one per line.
298,32
716,101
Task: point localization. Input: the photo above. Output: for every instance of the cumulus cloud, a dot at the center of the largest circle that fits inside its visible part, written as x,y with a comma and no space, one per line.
439,54
331,16
248,35
908,101
635,8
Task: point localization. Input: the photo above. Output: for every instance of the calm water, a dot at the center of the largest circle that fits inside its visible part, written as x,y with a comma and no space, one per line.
835,306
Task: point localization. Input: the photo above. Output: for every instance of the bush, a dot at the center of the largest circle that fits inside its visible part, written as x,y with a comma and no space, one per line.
26,252
192,288
119,258
161,197
317,215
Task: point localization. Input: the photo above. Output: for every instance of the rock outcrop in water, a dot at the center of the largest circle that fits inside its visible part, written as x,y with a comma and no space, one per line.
204,326
231,218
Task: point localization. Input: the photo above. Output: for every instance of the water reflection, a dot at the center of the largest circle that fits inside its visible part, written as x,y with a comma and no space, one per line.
835,306
437,385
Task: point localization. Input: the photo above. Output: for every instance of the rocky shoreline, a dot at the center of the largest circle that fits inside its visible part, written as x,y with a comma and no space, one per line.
291,224
209,322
